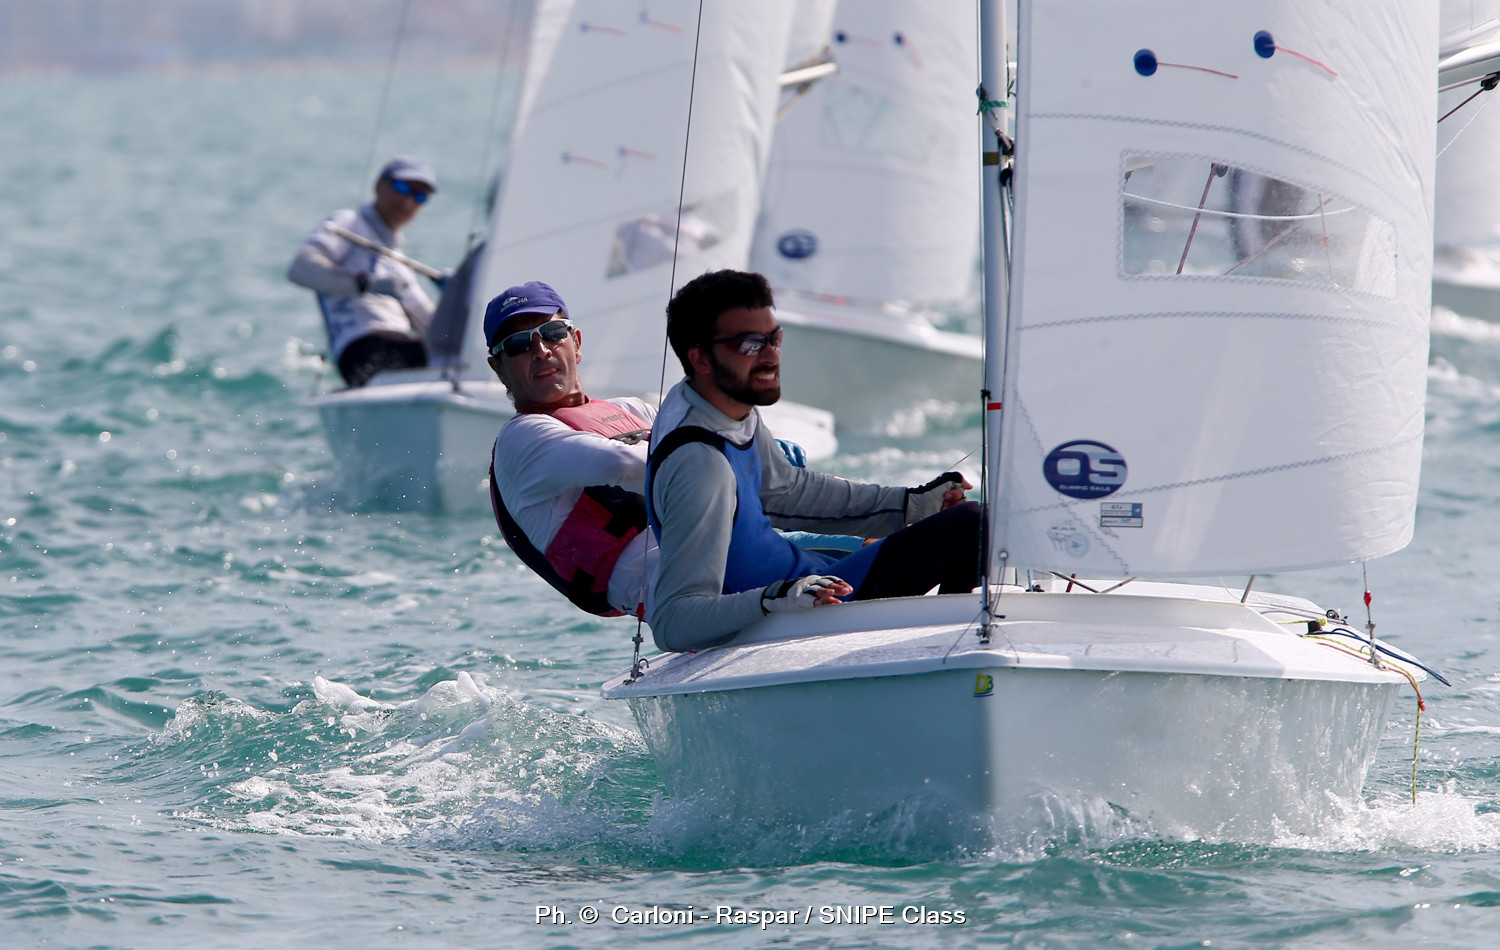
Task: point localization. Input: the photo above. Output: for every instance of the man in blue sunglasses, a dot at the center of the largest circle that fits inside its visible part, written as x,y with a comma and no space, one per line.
374,310
717,490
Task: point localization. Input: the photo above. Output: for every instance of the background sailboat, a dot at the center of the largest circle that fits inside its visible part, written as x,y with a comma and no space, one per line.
868,225
1172,405
1466,260
588,202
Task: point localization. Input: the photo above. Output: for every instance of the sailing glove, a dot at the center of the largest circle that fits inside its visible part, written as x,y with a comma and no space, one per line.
798,594
794,453
927,500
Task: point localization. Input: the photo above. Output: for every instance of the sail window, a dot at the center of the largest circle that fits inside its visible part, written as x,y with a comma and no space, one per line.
646,242
1195,217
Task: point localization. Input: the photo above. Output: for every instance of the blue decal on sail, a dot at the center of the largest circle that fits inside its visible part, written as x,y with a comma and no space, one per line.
1084,469
797,244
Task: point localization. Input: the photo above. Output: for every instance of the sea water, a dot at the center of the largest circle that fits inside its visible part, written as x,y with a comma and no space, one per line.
236,713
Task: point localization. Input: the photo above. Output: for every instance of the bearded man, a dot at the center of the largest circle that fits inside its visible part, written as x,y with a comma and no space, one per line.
717,486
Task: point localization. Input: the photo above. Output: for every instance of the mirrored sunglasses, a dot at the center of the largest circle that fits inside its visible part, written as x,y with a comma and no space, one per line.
410,190
750,344
517,344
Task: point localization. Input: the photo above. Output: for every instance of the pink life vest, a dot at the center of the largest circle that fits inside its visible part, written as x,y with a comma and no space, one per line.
582,555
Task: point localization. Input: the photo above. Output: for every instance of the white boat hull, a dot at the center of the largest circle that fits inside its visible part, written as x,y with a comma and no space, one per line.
414,446
410,441
1187,719
878,373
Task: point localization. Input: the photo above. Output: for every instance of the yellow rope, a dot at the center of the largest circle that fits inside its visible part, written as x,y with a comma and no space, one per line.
1416,739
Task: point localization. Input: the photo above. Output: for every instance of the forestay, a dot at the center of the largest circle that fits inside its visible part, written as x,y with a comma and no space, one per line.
589,196
1236,390
870,189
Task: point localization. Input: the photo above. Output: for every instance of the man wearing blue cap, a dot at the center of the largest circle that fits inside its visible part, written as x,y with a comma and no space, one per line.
568,470
373,308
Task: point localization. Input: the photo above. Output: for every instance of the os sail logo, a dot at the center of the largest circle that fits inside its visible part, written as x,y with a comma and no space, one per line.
797,244
1084,469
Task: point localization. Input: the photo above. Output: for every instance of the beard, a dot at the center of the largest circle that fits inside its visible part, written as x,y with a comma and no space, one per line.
738,387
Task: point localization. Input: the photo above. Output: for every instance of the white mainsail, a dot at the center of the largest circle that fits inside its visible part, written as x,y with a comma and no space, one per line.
1237,389
870,188
591,189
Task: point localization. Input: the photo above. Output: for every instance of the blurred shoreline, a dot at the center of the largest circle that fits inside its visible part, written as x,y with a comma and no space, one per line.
52,38
268,68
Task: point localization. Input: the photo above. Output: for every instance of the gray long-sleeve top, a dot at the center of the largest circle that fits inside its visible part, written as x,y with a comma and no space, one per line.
327,264
694,496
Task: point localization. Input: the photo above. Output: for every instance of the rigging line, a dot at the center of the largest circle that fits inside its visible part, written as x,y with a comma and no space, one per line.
1416,740
1213,172
985,597
687,137
1487,84
1327,254
488,141
385,91
1364,567
1459,85
1265,247
1344,631
1460,134
1219,213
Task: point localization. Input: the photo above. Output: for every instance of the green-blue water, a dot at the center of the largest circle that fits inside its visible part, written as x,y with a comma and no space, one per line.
174,581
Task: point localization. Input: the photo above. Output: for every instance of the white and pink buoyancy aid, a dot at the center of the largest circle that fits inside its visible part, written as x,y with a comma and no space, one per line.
581,557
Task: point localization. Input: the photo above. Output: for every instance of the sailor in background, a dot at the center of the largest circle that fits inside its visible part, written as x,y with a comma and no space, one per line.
717,486
373,308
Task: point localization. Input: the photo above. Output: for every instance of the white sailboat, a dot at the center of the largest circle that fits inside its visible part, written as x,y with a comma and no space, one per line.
868,220
1174,406
587,201
1466,258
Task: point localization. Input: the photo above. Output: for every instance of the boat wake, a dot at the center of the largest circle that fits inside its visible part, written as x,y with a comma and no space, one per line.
343,764
1441,821
467,767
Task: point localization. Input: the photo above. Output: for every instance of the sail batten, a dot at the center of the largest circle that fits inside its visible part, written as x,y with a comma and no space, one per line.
1218,327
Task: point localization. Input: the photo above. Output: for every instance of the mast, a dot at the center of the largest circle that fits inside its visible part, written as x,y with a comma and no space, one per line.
995,170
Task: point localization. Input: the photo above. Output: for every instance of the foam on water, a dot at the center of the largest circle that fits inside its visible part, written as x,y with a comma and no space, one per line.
1447,323
465,766
344,764
1443,821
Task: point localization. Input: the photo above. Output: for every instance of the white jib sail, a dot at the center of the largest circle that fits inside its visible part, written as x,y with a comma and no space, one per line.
1236,390
870,190
590,192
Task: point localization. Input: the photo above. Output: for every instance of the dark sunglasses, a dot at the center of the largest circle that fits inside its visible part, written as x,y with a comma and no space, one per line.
750,344
410,190
517,344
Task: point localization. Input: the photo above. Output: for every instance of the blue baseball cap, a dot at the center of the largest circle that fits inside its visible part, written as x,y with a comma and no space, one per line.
530,297
402,168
